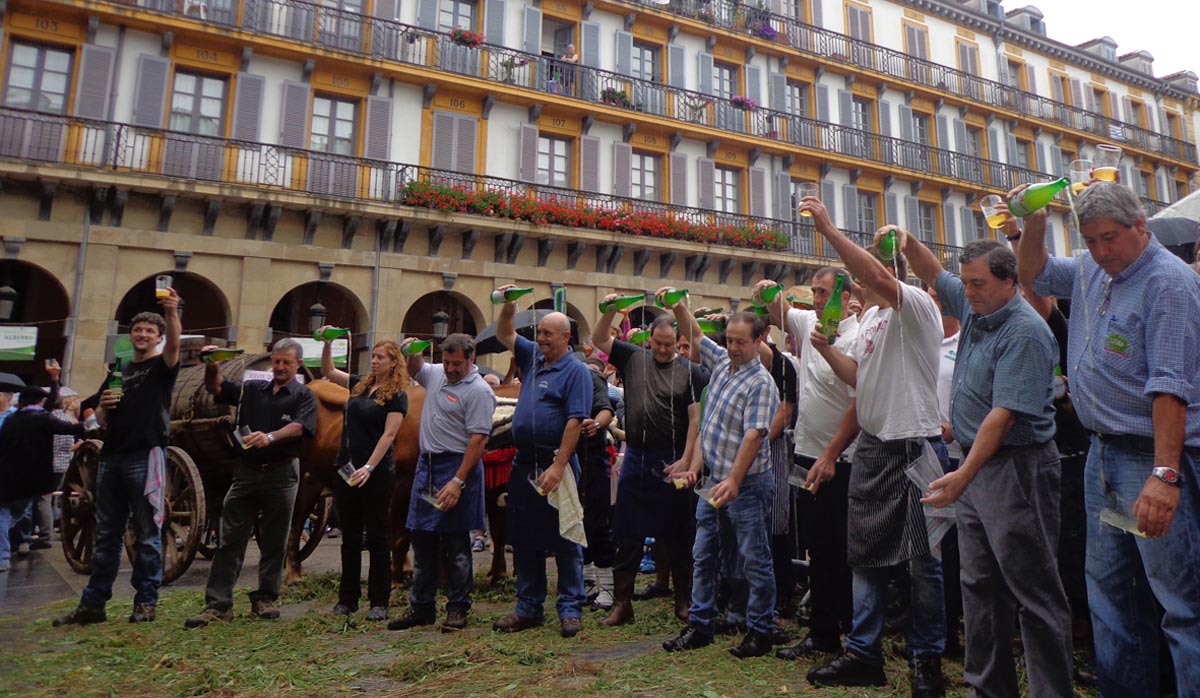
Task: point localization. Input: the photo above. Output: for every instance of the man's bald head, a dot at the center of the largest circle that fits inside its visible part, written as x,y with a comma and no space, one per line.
554,335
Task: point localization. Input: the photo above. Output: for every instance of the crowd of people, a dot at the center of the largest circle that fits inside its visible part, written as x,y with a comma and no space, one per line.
956,436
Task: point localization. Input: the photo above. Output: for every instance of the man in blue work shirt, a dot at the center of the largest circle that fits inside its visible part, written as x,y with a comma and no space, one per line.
556,396
1007,487
1133,357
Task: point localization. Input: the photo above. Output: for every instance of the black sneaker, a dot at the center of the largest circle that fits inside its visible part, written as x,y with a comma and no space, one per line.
343,609
377,614
848,670
82,615
142,613
754,644
691,638
411,619
927,681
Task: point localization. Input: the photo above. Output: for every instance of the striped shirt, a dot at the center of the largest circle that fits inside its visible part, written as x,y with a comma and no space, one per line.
1132,336
739,400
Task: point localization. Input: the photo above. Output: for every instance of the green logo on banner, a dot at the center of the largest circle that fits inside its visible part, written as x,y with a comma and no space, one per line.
18,343
123,348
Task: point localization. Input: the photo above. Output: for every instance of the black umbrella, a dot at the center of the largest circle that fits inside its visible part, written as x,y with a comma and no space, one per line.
10,383
1174,231
526,323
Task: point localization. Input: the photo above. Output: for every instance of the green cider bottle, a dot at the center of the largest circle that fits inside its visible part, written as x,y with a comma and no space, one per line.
622,302
416,347
761,311
1037,196
214,356
115,385
639,338
708,326
887,246
669,298
770,293
331,333
831,316
512,294
699,312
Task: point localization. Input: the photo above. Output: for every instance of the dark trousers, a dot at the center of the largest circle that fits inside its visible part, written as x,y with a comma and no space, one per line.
273,494
824,525
453,551
782,547
596,496
366,508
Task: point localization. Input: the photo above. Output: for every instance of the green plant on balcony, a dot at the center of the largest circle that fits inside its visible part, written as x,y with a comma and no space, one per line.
705,15
575,214
615,97
510,66
466,37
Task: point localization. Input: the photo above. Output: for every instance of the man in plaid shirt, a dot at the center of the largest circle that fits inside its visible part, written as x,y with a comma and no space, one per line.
742,400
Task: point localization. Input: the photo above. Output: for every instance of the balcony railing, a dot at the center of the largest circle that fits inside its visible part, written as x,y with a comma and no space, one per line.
174,156
817,41
347,31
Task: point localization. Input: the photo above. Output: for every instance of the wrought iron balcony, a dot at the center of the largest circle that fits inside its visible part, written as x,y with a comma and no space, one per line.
816,41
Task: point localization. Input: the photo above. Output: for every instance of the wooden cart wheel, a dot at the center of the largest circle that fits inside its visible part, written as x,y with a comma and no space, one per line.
315,525
183,520
79,506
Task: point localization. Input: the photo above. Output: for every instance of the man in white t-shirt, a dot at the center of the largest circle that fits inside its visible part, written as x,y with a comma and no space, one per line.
892,366
821,410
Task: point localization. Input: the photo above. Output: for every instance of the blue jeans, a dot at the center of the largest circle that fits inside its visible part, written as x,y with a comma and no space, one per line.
926,617
433,552
529,563
748,515
120,492
1126,574
10,513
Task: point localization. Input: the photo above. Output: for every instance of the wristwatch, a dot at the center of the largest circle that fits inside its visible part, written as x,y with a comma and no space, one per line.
270,438
1168,475
462,484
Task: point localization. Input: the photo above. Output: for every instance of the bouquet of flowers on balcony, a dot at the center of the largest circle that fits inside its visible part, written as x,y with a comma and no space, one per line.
466,37
764,31
510,65
743,103
611,95
705,16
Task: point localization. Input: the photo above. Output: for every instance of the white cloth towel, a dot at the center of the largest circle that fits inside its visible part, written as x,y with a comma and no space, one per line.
570,512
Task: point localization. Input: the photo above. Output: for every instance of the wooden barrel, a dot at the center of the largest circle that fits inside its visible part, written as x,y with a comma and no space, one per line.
199,425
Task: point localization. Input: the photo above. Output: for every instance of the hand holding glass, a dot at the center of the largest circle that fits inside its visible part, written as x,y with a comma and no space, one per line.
806,189
162,286
1081,174
994,210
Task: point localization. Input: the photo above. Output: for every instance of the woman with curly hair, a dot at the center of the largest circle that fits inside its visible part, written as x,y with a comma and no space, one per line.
373,415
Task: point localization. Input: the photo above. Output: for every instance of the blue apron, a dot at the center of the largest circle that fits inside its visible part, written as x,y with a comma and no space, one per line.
440,468
531,521
646,504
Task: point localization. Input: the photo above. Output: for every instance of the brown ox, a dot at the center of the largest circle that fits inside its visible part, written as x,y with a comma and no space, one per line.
316,469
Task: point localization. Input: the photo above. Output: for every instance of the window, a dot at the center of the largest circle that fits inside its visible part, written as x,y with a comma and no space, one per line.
916,44
1020,155
37,78
1143,184
1172,126
333,125
1065,163
197,104
796,98
340,25
858,22
456,13
927,222
1137,113
921,132
645,61
968,62
980,228
1100,100
866,217
974,144
726,189
1015,75
646,168
1180,190
725,82
860,114
554,161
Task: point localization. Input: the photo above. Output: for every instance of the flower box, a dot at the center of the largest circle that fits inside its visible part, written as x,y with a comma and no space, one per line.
743,103
466,37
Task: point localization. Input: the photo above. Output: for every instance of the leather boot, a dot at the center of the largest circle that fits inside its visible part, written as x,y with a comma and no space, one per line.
682,574
622,609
